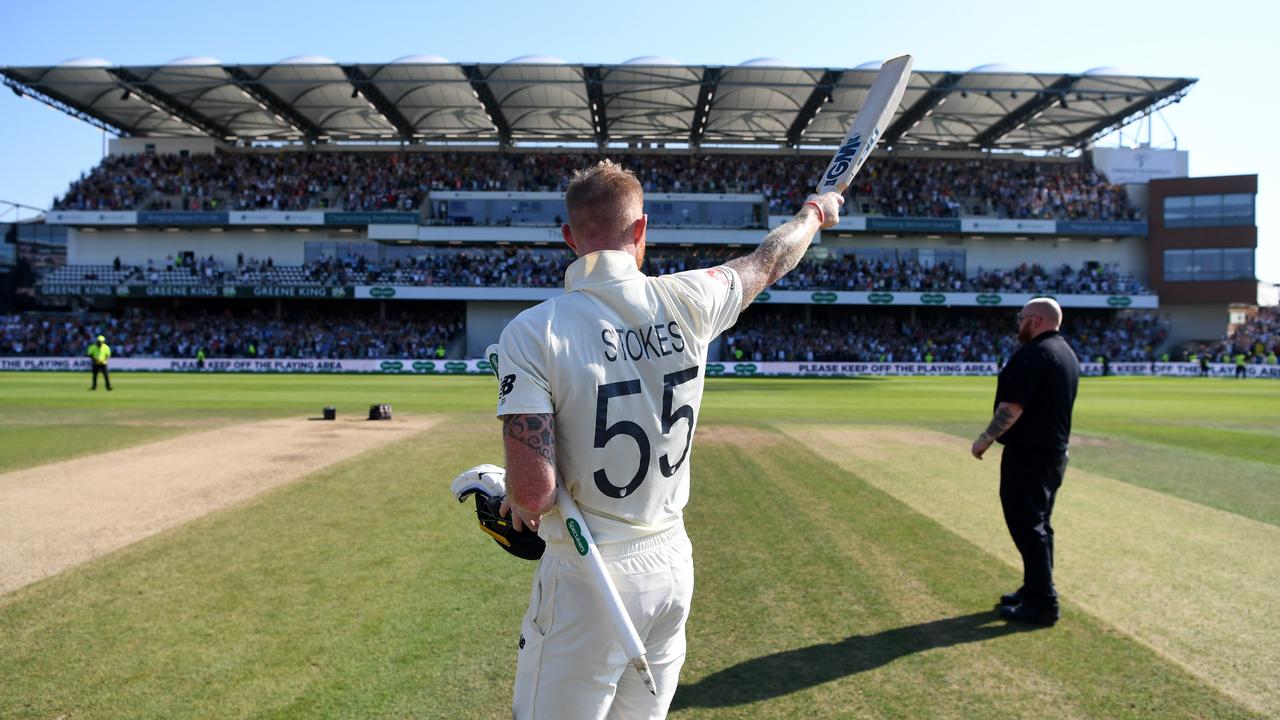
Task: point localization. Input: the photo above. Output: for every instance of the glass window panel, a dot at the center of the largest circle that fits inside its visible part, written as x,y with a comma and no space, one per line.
1177,211
1208,264
1237,209
1207,210
1177,265
1237,264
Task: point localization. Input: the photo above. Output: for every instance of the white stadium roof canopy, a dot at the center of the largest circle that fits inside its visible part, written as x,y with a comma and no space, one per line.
766,101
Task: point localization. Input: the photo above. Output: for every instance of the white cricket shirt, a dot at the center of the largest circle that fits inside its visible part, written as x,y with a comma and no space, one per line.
619,359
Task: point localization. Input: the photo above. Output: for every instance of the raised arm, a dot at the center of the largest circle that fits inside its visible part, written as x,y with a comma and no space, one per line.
781,249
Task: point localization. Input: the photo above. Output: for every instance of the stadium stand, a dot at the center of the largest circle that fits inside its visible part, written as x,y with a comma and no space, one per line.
782,335
544,268
343,229
928,337
400,181
154,333
1258,338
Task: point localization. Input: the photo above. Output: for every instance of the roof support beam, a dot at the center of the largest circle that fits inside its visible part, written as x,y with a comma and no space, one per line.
136,84
258,91
490,102
1144,105
380,102
594,76
702,109
821,94
64,104
1025,113
921,108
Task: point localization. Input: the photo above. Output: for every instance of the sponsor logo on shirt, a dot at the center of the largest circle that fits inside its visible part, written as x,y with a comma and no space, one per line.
575,532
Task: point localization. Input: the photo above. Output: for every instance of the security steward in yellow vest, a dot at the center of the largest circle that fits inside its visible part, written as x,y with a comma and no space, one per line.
99,353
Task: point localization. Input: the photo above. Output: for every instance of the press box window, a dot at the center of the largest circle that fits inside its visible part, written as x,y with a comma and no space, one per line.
1230,210
1208,265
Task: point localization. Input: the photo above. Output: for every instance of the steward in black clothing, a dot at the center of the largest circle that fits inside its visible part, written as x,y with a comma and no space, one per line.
1035,395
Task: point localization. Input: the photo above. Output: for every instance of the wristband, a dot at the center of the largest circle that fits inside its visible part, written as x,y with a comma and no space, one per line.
822,216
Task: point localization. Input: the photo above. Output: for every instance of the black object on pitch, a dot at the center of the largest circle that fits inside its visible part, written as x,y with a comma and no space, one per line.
330,413
380,412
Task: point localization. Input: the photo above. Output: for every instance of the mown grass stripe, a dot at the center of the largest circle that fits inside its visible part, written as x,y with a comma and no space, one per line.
960,665
1195,583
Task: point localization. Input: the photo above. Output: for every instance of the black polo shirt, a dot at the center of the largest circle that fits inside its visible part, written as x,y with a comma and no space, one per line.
1042,377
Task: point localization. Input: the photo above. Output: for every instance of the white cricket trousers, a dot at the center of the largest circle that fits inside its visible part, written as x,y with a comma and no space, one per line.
571,665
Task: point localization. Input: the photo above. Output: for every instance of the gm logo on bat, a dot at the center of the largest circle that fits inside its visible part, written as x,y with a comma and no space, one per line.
846,156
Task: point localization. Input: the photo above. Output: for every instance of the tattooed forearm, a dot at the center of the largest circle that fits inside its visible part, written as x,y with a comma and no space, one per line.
538,432
778,254
1004,418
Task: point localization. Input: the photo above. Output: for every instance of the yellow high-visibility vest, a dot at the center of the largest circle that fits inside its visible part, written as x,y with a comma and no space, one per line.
100,353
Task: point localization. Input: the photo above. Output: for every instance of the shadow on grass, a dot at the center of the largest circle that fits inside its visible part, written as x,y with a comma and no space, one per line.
789,671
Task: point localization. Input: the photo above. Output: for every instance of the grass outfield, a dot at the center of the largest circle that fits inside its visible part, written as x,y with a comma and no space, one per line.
848,552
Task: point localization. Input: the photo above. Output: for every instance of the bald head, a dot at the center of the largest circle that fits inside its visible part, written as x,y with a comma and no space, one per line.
606,209
1046,309
1039,316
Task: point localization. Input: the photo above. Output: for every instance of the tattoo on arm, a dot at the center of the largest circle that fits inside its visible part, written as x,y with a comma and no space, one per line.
1000,422
536,431
778,254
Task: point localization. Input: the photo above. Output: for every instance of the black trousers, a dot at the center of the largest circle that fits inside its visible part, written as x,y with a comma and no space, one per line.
105,377
1029,482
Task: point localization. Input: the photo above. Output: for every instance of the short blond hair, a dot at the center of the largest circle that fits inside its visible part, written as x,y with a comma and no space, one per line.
603,201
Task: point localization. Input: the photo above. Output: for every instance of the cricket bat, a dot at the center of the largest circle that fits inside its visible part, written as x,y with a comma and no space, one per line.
622,625
871,121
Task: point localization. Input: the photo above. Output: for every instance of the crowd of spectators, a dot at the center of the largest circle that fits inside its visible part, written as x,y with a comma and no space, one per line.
544,268
867,337
1257,338
931,337
771,334
1006,189
1129,337
851,272
148,333
374,181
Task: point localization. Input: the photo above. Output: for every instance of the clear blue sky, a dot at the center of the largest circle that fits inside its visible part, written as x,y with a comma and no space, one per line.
1224,122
